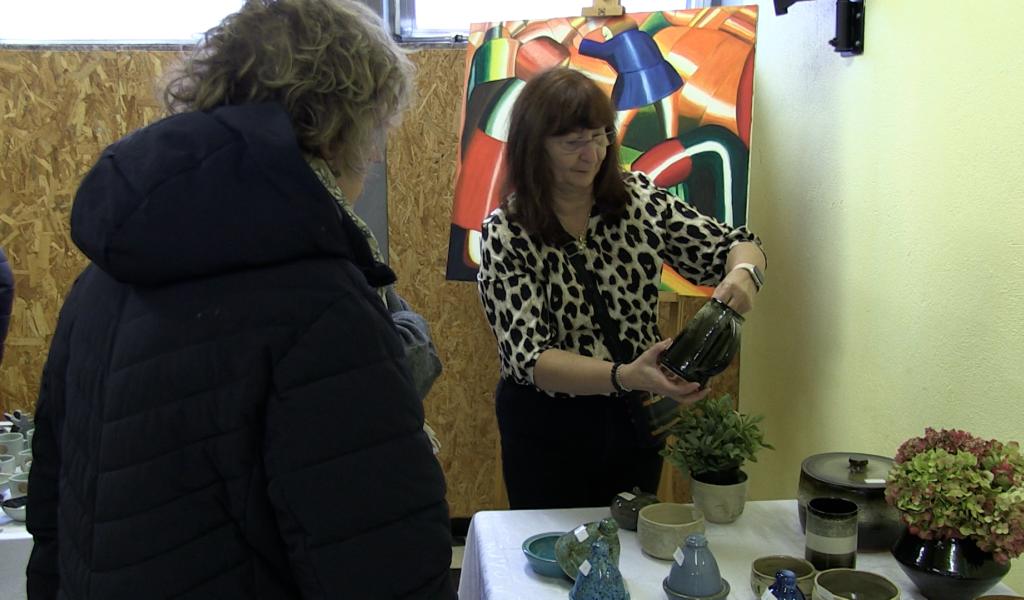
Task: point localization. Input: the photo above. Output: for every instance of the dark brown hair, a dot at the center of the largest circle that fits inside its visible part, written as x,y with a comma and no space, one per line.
557,102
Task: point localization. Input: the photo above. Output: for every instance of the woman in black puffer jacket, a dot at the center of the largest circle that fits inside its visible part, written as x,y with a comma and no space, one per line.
226,410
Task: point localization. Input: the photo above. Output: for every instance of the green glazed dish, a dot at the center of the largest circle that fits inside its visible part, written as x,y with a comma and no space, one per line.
573,547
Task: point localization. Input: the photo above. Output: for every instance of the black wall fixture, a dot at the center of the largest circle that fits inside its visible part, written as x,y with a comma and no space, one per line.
849,40
782,6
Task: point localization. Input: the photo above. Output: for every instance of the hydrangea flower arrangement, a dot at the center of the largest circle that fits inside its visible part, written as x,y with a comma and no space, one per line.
951,484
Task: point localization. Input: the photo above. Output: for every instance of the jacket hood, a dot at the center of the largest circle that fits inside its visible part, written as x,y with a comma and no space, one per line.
198,194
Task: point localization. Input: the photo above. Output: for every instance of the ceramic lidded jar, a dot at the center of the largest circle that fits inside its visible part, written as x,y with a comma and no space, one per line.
573,547
626,507
598,577
859,478
695,572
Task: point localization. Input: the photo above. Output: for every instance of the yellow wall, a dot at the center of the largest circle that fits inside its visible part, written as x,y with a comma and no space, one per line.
888,190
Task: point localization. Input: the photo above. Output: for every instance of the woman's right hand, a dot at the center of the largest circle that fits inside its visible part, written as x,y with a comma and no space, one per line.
645,373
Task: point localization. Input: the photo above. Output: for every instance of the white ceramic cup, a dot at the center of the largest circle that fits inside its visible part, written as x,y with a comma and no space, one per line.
23,457
7,463
4,477
11,443
18,484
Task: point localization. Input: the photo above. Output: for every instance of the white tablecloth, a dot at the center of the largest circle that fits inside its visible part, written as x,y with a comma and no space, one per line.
15,546
494,567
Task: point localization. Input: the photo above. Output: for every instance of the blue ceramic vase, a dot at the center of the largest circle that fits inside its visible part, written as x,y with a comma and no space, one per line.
784,587
598,578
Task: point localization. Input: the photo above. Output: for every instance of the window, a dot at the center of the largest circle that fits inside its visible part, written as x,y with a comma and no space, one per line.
110,21
444,19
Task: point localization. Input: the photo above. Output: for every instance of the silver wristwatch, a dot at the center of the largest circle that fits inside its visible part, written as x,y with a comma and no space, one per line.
755,273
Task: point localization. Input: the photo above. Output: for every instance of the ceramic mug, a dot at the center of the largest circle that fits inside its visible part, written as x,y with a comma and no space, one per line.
18,484
831,535
11,443
7,463
25,456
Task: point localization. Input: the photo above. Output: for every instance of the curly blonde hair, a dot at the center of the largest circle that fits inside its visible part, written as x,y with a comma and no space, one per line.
330,63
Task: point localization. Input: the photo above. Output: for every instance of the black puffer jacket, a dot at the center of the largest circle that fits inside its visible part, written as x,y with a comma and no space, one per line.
225,411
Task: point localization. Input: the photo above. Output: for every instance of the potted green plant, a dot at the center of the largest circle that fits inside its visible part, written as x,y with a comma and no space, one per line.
711,442
962,500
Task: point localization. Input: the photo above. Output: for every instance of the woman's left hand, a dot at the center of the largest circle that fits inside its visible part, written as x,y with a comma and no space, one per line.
737,290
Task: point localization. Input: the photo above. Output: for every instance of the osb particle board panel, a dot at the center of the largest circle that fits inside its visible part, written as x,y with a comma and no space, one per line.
421,177
57,111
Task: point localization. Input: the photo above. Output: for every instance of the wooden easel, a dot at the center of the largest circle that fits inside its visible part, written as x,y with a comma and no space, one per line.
604,8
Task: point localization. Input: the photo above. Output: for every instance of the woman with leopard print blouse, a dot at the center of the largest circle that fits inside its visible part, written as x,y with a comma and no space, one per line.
565,433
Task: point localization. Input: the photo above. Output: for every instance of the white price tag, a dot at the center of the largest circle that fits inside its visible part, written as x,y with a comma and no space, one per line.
678,555
626,496
585,568
874,481
581,533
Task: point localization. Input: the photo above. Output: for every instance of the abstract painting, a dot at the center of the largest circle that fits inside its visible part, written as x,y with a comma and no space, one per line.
682,86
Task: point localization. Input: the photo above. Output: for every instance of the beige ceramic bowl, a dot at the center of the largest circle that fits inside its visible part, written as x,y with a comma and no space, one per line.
663,527
851,584
763,569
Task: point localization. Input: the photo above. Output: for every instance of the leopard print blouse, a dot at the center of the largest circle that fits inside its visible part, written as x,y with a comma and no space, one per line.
534,302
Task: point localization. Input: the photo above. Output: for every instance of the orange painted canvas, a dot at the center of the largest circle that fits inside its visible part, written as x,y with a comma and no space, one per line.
682,85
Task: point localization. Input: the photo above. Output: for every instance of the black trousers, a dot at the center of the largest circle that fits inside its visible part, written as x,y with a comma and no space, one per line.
569,452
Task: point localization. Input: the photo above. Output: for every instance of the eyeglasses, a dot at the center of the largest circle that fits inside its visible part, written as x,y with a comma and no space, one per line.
573,143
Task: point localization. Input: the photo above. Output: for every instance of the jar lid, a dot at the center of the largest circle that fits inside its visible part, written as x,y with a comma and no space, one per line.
850,470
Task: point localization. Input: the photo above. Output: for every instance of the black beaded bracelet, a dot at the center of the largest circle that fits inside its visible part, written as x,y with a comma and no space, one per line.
615,379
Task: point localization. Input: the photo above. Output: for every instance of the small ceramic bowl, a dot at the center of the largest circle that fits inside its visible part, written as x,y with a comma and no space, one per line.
851,584
23,457
16,508
763,569
540,553
663,527
18,484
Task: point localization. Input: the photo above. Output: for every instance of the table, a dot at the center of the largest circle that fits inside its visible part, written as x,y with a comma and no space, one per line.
15,546
494,567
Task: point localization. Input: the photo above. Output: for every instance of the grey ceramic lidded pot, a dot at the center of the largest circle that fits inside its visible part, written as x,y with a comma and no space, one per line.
859,478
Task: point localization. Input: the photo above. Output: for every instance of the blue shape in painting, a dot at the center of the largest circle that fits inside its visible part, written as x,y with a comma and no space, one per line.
644,75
